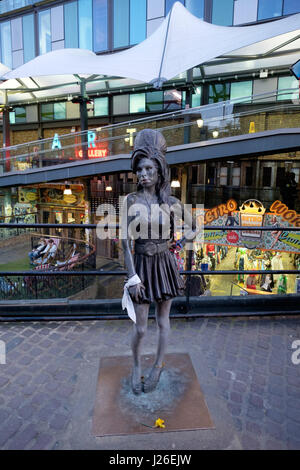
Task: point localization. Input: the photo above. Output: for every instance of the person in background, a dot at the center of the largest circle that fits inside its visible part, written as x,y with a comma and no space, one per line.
38,250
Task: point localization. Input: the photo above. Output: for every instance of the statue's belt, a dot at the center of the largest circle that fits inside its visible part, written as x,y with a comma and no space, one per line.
150,248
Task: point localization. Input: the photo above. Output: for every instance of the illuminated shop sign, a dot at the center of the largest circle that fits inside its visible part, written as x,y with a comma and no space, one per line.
95,149
253,213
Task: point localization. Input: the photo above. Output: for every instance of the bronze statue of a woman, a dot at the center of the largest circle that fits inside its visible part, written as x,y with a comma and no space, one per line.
153,275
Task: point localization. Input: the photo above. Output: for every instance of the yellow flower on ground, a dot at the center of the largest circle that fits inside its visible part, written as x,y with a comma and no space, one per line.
159,423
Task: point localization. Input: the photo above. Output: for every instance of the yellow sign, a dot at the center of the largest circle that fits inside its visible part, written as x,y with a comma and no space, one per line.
252,127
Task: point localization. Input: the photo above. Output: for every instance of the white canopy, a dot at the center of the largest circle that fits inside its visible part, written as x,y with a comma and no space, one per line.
181,42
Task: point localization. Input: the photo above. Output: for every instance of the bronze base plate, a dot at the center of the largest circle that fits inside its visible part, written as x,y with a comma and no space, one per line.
177,399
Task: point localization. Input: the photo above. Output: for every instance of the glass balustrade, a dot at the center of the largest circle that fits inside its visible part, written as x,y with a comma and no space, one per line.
247,115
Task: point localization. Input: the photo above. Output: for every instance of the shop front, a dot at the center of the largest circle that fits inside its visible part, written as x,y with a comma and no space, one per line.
247,250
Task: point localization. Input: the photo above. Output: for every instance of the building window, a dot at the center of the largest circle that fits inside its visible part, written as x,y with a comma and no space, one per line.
138,13
155,9
47,112
71,24
100,25
196,97
121,104
28,37
240,90
266,176
222,12
170,3
44,32
20,115
285,83
85,15
218,92
59,110
137,103
245,11
172,100
249,176
196,7
57,24
154,101
291,6
101,106
267,9
6,52
121,23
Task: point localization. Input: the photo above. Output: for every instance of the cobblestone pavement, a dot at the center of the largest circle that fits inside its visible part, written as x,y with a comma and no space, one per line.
244,366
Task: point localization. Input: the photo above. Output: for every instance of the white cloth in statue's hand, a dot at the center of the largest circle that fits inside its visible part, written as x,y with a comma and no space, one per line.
126,300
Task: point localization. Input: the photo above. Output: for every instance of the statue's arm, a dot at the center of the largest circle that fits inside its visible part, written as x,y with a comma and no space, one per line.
125,221
135,291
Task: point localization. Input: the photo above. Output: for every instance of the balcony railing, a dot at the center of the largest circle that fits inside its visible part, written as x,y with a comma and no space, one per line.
52,283
236,117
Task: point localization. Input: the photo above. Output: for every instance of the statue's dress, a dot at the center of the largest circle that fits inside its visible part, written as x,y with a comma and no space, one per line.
155,264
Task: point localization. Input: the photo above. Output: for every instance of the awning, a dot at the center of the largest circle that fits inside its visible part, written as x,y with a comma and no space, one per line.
181,42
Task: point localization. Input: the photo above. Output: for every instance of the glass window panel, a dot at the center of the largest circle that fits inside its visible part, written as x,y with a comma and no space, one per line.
16,34
101,106
44,31
284,83
47,112
58,45
59,110
17,58
85,14
218,92
138,13
222,12
155,8
196,7
240,90
264,85
72,110
137,103
100,25
121,104
121,23
172,100
152,25
12,117
245,11
169,4
20,114
6,44
32,113
267,9
57,23
71,24
154,101
196,97
28,37
291,6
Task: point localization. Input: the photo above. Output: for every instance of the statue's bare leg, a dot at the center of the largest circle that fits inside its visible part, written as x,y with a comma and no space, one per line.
163,323
139,331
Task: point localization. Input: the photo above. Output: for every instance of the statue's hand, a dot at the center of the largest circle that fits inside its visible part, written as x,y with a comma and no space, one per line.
136,292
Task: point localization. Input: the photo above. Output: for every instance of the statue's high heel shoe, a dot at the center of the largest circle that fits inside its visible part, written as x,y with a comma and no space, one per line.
152,380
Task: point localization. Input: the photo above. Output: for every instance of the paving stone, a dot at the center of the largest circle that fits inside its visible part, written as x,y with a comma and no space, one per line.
250,443
9,428
59,422
253,427
23,438
43,442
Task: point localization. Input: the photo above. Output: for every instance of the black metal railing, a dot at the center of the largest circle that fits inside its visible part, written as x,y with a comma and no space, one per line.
32,284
